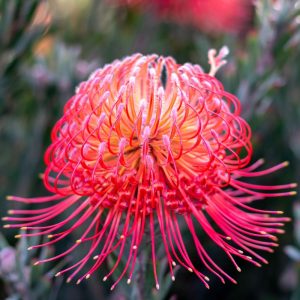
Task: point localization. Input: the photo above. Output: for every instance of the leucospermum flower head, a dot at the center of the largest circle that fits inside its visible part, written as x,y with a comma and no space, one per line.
145,145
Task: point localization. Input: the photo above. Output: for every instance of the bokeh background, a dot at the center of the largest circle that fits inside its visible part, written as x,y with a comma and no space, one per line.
48,47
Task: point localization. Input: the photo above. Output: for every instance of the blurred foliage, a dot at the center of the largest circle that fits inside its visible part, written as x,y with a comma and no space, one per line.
291,275
48,47
17,37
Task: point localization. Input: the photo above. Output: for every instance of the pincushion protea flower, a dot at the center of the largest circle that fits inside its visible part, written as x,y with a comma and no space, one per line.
143,144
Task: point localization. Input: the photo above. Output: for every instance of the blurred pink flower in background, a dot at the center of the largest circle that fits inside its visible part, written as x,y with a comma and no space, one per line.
231,16
221,15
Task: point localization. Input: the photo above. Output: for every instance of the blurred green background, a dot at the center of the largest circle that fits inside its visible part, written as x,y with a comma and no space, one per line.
48,47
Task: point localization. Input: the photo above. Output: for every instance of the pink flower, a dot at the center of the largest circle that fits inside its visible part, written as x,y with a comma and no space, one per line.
208,15
221,15
143,144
